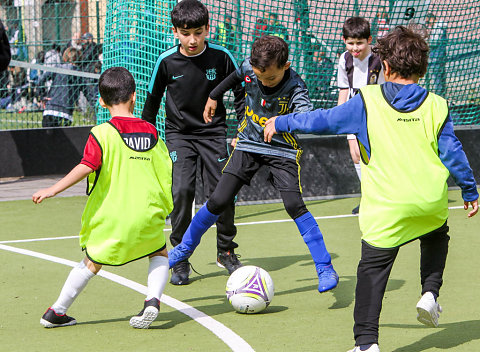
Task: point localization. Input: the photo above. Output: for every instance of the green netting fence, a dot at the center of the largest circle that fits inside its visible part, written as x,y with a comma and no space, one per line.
39,32
134,33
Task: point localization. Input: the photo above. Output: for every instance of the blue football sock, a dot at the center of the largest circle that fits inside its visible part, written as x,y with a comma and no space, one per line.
313,238
365,347
201,222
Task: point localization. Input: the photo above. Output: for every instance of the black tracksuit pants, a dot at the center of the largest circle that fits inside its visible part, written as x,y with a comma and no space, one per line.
212,155
372,276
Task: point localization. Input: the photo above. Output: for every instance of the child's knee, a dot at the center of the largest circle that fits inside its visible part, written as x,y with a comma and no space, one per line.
93,267
162,253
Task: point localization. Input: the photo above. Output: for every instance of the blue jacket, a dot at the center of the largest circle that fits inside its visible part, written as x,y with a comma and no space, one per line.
351,117
64,91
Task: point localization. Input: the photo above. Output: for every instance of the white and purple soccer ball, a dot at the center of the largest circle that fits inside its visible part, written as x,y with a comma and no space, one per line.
250,289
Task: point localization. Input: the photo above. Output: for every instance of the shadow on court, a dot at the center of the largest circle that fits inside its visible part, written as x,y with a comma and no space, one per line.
171,319
280,209
446,336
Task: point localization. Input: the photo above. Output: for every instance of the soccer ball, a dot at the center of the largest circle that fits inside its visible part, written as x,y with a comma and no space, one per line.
250,289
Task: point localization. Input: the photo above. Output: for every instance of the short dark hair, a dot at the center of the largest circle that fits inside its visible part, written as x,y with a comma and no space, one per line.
356,27
116,85
405,50
269,50
189,14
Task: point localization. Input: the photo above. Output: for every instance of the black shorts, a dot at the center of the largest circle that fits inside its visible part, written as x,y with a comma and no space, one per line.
284,173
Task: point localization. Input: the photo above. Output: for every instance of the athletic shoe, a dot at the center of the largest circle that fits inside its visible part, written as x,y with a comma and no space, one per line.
228,260
53,320
428,310
372,348
356,210
180,273
327,278
147,315
178,253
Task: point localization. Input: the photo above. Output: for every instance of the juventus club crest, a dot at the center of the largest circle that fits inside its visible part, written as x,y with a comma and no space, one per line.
283,105
211,74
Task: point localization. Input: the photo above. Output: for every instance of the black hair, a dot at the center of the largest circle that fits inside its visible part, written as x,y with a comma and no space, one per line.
269,50
356,27
189,14
405,50
40,57
116,85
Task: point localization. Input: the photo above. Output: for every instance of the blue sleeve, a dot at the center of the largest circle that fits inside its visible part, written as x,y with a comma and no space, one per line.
451,154
348,118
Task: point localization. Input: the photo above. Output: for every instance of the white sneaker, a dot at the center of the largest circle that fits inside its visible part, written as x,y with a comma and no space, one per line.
147,315
373,348
428,310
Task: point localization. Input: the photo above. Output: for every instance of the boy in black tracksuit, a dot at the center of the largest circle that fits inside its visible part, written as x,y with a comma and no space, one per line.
188,72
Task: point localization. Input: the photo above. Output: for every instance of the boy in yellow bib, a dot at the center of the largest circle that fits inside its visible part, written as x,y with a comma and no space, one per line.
129,186
408,149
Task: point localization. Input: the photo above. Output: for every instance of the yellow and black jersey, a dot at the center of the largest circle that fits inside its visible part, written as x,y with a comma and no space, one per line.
262,103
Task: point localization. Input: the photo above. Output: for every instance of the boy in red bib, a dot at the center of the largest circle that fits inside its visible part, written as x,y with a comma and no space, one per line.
129,175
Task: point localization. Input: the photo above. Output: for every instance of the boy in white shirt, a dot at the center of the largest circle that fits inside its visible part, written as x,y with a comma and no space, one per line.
357,67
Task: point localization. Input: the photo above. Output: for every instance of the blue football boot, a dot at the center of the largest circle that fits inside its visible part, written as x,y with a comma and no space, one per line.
327,277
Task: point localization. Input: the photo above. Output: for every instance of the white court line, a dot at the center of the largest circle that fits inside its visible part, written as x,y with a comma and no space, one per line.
236,224
232,340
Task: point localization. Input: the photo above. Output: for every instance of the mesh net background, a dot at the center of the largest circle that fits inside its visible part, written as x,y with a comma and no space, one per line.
134,33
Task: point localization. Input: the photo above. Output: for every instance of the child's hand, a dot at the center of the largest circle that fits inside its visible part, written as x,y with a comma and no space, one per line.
209,110
474,207
269,130
42,194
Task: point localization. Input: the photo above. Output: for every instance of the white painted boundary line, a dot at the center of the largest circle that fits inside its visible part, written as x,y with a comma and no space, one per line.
40,239
237,224
232,340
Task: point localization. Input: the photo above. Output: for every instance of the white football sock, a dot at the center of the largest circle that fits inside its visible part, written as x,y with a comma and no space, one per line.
157,276
358,169
75,283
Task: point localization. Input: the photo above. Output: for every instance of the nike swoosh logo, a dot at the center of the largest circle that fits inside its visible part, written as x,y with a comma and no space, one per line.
220,160
176,77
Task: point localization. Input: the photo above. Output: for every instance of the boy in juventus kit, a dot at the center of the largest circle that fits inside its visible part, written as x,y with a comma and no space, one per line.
189,72
272,88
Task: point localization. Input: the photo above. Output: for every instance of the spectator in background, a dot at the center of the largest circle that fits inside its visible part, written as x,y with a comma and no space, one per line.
261,25
17,41
88,62
225,33
17,87
53,56
89,53
100,55
437,32
63,93
75,42
380,24
36,93
5,53
275,27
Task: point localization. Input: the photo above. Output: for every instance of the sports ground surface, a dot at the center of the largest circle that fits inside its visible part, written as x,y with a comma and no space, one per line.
38,244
